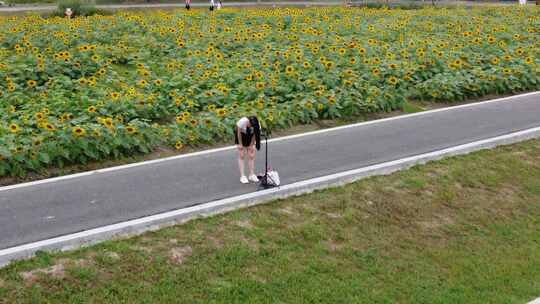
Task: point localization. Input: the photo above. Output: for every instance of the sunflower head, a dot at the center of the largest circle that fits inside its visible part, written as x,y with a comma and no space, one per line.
131,130
13,128
108,122
31,83
329,64
39,116
49,127
331,100
221,112
115,95
37,142
78,131
178,145
289,69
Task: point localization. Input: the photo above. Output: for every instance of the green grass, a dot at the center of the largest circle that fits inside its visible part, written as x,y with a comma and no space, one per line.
462,230
409,108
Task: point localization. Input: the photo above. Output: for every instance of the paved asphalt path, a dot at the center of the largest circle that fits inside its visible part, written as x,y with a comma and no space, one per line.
52,209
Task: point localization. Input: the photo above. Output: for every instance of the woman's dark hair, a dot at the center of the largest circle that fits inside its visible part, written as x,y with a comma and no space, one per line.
257,129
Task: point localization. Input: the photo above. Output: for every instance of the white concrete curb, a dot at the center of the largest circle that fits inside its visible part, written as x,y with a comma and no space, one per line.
153,222
537,301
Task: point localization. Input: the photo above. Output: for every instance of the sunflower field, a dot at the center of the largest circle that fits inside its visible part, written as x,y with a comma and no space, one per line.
73,91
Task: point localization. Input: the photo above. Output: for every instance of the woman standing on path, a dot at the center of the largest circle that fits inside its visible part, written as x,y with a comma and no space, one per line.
247,137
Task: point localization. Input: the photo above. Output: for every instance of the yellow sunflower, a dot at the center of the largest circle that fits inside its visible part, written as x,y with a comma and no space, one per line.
13,128
49,127
221,112
78,131
131,130
178,145
392,80
31,83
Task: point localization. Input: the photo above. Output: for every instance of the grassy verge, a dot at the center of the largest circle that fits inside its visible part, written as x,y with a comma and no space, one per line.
462,230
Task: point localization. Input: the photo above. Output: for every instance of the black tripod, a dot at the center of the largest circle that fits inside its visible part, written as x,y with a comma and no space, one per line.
263,182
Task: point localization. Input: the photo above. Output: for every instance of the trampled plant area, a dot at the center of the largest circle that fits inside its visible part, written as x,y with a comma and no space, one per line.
99,87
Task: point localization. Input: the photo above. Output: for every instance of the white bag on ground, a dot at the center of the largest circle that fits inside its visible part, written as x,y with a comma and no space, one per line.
273,178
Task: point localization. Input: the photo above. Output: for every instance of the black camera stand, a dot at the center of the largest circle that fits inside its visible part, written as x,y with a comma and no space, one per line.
263,180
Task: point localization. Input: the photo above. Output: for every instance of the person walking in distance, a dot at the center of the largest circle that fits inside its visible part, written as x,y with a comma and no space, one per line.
247,137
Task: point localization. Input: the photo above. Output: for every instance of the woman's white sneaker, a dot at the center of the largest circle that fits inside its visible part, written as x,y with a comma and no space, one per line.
254,178
244,180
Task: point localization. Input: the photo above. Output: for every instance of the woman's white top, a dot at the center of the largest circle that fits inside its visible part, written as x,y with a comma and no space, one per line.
242,124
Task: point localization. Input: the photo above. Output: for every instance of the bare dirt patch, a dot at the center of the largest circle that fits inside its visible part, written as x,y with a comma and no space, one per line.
333,246
142,249
112,255
56,271
254,273
436,222
178,255
251,243
288,211
216,242
333,215
245,224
